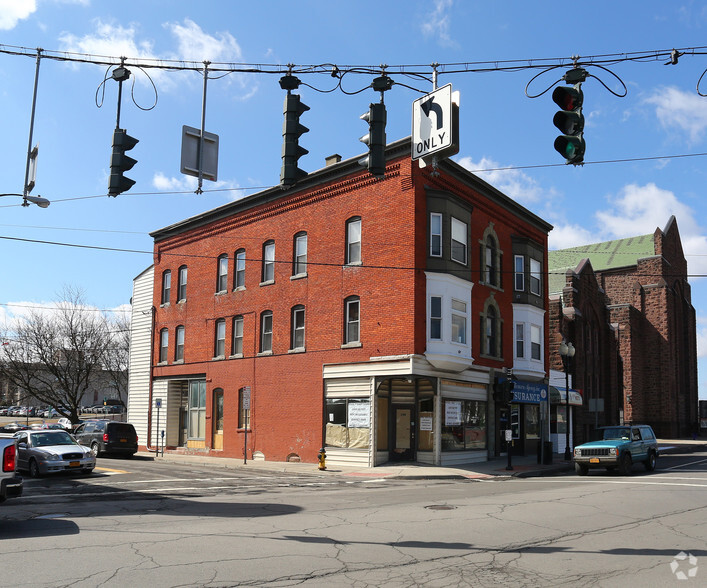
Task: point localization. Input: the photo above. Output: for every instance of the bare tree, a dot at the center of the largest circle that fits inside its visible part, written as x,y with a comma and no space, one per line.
55,355
116,358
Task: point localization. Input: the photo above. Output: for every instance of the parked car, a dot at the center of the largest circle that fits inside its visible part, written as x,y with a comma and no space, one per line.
10,483
45,452
620,447
108,437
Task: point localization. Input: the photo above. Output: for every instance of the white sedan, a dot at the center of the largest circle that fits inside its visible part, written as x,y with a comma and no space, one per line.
50,451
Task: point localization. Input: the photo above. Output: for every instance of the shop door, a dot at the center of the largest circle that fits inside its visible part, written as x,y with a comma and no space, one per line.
403,430
218,420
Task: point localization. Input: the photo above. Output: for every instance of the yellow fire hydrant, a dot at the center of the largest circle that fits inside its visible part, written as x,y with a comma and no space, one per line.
322,459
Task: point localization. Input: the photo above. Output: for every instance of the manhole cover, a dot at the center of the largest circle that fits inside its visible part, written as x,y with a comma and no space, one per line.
440,507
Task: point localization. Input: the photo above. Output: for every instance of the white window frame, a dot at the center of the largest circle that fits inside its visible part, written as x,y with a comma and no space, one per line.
237,336
536,342
519,273
519,339
536,277
266,331
300,255
239,269
179,343
182,283
268,262
196,425
352,322
298,327
166,286
436,234
459,229
220,338
459,318
164,346
353,241
222,273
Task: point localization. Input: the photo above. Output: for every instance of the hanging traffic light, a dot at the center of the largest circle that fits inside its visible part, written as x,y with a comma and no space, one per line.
570,120
291,132
503,391
119,162
375,139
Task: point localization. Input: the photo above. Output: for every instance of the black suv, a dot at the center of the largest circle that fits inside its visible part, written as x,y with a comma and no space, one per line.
108,437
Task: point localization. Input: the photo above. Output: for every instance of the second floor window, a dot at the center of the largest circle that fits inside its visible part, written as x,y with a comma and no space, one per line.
535,277
179,344
520,340
237,347
166,286
519,273
268,261
222,273
436,317
266,332
164,345
435,234
491,275
458,321
353,240
352,316
299,262
535,343
239,276
459,241
182,284
220,338
298,327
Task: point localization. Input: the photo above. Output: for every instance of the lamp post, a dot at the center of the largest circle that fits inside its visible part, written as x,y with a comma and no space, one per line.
567,353
26,199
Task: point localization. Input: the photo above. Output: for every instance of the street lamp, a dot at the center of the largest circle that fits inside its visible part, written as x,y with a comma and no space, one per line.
567,353
26,199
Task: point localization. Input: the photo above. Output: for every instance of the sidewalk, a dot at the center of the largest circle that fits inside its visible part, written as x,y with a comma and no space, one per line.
522,466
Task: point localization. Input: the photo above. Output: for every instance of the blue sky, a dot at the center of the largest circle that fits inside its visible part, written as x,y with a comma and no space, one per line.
74,241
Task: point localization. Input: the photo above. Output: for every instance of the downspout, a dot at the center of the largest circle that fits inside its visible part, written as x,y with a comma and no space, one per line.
149,406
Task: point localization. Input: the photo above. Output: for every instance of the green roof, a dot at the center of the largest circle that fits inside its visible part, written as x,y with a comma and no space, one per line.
603,256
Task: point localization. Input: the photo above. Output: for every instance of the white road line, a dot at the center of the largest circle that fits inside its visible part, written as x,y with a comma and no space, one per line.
685,465
584,480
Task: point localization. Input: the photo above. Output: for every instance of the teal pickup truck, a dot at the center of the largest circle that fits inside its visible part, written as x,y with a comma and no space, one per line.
620,447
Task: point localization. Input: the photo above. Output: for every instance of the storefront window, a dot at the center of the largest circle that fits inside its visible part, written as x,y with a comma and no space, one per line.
426,417
197,409
532,421
515,421
559,418
348,422
464,425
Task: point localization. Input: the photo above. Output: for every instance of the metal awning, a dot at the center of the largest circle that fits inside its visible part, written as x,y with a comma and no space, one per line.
558,395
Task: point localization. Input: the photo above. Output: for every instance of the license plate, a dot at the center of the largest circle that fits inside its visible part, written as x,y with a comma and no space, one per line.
593,460
123,440
74,464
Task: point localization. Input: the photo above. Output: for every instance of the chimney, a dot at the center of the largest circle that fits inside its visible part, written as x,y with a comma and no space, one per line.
332,159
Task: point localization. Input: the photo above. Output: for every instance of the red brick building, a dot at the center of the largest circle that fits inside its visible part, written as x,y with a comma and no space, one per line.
368,316
626,307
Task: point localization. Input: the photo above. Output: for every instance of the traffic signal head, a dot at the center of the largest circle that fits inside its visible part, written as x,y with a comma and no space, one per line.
570,121
376,118
119,162
503,391
291,132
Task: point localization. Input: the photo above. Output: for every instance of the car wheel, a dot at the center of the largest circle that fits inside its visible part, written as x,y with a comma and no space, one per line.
625,464
87,472
94,449
33,468
581,469
650,462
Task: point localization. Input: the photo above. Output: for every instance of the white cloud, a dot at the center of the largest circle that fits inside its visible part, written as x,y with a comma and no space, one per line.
512,182
186,183
702,336
437,23
13,11
564,236
676,110
196,45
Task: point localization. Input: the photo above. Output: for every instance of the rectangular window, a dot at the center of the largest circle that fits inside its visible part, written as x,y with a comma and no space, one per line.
222,277
164,345
435,234
535,277
243,412
520,340
266,332
464,425
353,241
220,340
298,327
166,286
458,321
300,260
182,284
459,241
348,423
268,262
535,343
519,273
179,344
197,409
436,318
237,347
240,269
353,320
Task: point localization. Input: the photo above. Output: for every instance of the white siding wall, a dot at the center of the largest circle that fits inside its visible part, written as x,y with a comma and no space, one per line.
141,335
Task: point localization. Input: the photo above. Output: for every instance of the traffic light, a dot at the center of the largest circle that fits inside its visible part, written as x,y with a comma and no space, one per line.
375,139
119,162
503,391
291,132
570,120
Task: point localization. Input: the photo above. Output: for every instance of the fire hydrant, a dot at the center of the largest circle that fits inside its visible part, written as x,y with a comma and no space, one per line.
322,459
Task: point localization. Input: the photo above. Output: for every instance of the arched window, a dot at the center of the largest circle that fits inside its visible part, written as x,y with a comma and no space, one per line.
491,258
222,273
166,286
490,329
268,274
164,345
297,329
182,284
220,338
352,320
239,275
299,255
237,345
179,343
353,240
266,331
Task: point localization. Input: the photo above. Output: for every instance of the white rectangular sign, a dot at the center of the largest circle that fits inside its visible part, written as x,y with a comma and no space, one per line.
432,123
359,415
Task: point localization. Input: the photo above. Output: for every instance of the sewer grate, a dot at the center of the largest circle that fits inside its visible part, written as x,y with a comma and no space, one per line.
440,507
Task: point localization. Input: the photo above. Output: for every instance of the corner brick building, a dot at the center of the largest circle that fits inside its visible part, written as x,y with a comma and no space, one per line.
368,316
626,307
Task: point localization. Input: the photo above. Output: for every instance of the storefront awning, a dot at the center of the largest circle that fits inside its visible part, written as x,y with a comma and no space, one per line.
558,395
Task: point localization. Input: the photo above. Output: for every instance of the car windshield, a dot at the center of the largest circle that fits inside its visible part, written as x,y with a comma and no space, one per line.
616,433
54,438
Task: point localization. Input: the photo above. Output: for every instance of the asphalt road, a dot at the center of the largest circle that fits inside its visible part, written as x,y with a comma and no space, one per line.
145,523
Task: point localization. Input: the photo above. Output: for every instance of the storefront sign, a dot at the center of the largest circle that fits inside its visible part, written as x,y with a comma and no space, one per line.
359,415
452,413
529,392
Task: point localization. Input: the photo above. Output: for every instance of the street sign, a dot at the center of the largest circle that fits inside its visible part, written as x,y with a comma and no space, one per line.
246,397
435,125
190,154
158,402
